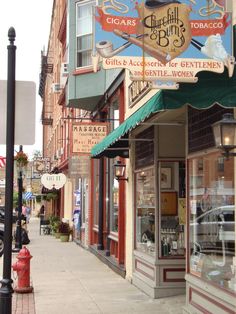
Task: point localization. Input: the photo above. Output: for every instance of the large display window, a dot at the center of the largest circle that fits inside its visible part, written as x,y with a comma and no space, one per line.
145,210
113,197
96,192
212,219
172,208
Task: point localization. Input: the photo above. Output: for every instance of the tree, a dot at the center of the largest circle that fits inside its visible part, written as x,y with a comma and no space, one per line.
37,153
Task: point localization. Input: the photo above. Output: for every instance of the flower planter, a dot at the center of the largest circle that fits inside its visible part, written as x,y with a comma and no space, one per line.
57,235
64,237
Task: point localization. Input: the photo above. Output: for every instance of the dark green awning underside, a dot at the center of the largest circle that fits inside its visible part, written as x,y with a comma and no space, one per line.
210,89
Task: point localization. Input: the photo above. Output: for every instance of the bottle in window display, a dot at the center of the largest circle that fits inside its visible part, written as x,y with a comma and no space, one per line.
165,248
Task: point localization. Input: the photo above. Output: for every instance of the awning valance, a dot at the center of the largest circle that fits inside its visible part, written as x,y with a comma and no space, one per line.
211,89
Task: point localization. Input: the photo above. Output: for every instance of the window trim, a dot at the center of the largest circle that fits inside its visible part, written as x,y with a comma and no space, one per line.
80,4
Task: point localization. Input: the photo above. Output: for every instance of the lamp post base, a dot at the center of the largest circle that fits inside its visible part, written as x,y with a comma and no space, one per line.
6,291
16,250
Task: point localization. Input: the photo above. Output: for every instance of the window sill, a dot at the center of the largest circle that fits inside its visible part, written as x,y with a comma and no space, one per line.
84,70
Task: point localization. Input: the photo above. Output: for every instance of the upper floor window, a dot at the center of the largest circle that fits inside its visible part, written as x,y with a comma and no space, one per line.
84,29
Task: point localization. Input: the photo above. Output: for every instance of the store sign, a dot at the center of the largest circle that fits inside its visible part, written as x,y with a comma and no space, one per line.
53,181
40,165
36,186
168,41
86,135
79,166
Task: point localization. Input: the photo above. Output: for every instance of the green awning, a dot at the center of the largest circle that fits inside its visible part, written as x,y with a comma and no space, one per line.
210,89
153,105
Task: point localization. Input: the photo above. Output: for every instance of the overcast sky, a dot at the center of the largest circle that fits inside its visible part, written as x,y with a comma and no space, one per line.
31,20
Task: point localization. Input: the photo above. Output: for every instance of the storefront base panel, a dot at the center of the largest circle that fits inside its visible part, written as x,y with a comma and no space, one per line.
154,291
159,280
204,298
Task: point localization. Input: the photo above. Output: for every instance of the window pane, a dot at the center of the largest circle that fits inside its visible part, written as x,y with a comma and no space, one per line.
84,58
84,10
212,215
172,208
115,204
84,19
145,211
84,42
96,192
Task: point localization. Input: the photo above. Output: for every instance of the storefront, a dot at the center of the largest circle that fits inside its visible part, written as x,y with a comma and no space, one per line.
211,219
107,203
159,206
171,146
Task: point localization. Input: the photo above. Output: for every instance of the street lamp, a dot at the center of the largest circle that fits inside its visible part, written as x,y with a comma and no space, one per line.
224,134
19,166
119,171
6,289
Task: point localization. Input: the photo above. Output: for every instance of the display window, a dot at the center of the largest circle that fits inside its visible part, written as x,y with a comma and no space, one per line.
212,219
145,210
96,192
112,183
172,208
113,196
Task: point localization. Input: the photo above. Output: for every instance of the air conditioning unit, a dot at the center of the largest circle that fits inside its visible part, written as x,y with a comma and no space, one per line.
56,87
64,69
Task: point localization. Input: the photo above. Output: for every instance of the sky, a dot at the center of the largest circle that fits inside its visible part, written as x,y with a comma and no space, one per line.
31,20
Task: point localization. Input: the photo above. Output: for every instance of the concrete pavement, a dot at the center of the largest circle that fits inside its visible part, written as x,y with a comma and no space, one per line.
68,279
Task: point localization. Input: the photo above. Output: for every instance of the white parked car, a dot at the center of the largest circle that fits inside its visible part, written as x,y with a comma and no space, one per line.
214,230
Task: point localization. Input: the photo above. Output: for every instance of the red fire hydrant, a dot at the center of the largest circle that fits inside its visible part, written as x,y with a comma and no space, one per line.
22,267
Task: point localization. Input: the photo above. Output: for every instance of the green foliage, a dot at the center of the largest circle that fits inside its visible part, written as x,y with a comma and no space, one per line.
15,199
51,196
37,153
38,198
54,223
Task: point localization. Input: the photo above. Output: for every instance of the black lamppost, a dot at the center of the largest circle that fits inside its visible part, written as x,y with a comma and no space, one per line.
18,243
6,289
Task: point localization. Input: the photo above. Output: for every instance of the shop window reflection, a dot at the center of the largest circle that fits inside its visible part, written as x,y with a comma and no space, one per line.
212,220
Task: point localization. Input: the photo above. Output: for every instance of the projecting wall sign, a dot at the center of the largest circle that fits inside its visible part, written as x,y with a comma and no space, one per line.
53,181
164,40
86,135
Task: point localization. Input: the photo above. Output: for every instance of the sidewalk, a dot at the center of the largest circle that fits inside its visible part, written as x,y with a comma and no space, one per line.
68,279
